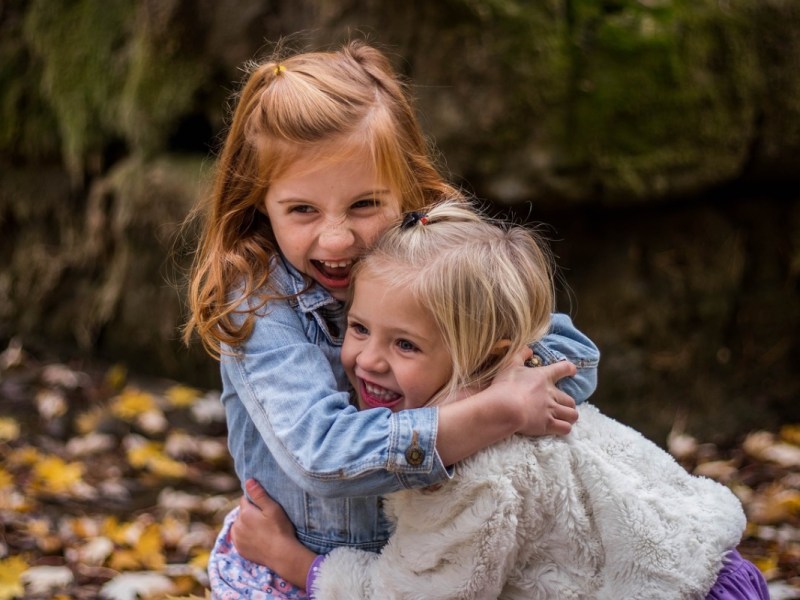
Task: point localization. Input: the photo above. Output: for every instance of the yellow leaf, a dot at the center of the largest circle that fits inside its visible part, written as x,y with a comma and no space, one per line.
88,421
200,559
164,466
116,376
131,403
768,565
124,559
149,548
791,434
149,455
9,429
139,455
182,395
112,529
55,476
6,479
11,570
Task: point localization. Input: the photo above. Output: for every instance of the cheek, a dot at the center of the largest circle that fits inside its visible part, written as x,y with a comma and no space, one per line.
348,355
374,228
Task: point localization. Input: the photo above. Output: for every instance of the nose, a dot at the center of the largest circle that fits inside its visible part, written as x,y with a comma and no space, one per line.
337,236
371,359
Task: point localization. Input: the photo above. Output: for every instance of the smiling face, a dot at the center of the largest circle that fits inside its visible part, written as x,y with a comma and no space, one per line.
324,213
393,353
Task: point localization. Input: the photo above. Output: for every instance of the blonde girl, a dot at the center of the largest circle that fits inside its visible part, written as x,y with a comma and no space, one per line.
322,154
444,301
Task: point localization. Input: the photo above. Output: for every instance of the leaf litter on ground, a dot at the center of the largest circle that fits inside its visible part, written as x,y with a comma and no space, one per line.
115,487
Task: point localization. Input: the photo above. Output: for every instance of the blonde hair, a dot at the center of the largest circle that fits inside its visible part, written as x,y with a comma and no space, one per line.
487,284
324,103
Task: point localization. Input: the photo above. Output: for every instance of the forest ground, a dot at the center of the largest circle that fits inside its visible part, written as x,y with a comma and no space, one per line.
114,486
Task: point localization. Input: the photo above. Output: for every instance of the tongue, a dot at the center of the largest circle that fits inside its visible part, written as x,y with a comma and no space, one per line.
333,272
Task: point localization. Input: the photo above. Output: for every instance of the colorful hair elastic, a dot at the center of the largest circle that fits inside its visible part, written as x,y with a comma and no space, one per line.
413,218
279,69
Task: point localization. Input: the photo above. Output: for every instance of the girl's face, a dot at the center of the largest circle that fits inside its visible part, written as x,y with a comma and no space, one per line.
325,213
393,352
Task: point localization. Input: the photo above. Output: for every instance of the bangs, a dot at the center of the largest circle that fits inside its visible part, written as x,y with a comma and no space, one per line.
379,135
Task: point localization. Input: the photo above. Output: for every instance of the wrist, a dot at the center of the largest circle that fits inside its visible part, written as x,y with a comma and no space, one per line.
501,410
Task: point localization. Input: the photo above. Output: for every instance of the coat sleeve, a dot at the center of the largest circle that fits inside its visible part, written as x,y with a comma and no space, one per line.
458,542
565,342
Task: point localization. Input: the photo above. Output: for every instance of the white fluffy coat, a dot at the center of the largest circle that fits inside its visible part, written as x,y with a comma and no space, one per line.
602,513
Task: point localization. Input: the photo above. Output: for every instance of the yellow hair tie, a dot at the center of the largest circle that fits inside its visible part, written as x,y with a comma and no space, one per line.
279,69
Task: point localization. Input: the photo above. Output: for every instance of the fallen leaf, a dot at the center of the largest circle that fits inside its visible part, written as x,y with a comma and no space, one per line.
6,479
89,421
95,551
131,403
790,434
130,586
149,455
55,476
11,570
63,376
681,445
181,395
763,446
51,404
43,579
116,376
91,443
720,470
9,429
208,409
152,421
150,549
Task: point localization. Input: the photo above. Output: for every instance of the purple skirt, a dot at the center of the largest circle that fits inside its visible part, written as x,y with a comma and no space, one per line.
739,579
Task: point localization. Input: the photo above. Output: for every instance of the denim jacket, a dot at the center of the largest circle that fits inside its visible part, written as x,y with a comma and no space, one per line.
291,425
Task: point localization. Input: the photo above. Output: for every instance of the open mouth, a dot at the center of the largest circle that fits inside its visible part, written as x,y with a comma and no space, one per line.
335,273
375,396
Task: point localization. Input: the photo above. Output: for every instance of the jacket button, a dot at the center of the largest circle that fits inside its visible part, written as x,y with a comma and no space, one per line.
415,455
533,361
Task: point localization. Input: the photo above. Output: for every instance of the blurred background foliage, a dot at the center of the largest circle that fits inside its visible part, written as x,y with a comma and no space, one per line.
659,139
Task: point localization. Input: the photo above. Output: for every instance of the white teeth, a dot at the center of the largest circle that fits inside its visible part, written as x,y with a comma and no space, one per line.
379,392
337,265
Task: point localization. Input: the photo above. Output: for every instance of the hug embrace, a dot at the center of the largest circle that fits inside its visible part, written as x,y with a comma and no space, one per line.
471,475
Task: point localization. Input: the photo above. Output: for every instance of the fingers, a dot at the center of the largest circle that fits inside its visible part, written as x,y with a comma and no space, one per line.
565,413
257,495
563,399
559,370
562,419
559,428
524,354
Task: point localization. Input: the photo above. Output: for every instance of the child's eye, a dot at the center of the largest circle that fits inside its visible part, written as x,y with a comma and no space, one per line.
302,209
358,328
406,346
367,203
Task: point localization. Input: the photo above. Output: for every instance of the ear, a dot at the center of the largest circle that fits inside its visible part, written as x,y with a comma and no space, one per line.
500,347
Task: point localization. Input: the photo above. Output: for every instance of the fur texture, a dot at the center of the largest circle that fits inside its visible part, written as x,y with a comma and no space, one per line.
602,513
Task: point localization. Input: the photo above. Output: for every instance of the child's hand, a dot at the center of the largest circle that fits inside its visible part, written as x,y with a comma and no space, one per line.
544,409
262,533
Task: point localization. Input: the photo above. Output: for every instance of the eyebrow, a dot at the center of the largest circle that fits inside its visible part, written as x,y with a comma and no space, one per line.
380,192
395,331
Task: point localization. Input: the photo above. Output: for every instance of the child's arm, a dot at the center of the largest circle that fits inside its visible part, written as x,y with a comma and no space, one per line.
442,547
520,400
286,385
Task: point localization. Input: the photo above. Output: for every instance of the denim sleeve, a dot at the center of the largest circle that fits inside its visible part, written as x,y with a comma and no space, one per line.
565,342
326,446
